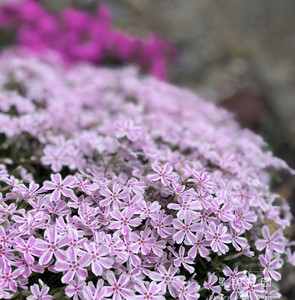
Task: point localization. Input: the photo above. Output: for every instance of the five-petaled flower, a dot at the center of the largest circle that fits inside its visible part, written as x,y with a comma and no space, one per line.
163,173
60,187
274,242
219,237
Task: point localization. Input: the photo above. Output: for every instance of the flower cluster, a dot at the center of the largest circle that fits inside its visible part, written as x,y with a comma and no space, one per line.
81,36
117,186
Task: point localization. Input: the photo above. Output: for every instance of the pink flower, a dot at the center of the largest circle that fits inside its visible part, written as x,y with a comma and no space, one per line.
39,294
27,248
118,288
251,289
56,156
186,206
167,278
129,130
113,196
8,278
224,212
274,242
75,288
235,277
198,244
142,242
209,284
163,224
98,256
189,291
124,220
149,209
203,180
219,237
148,290
95,293
181,259
290,256
51,245
72,266
270,264
60,187
163,173
185,229
243,219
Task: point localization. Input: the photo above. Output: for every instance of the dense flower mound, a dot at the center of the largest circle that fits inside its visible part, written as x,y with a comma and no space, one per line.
81,36
117,186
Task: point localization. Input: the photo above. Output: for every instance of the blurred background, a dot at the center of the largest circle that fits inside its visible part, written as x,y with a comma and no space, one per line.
237,53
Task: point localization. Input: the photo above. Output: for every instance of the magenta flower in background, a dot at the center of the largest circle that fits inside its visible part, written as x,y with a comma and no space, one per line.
41,31
56,157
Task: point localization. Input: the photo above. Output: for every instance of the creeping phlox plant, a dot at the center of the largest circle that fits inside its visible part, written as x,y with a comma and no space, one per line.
81,36
117,186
